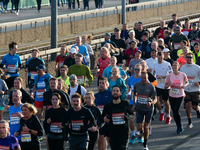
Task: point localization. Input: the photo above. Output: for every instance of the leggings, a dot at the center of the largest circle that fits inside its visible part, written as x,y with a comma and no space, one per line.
73,2
175,106
17,5
86,4
56,144
96,3
93,139
39,4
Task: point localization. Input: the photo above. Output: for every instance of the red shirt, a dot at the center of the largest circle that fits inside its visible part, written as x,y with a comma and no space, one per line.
161,34
186,32
103,63
128,52
60,60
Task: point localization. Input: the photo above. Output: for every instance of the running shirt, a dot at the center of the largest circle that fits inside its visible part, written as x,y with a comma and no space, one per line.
144,94
131,82
103,63
150,63
181,61
112,83
60,60
185,32
108,72
82,50
41,86
66,81
74,90
192,72
162,70
176,82
14,120
12,63
9,143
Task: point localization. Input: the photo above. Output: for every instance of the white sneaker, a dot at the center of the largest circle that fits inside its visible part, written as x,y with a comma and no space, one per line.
39,11
145,148
5,11
17,13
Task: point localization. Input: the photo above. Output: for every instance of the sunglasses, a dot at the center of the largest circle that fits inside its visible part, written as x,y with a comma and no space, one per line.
188,57
176,30
137,69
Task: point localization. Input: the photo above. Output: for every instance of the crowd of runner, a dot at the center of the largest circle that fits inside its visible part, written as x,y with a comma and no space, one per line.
138,75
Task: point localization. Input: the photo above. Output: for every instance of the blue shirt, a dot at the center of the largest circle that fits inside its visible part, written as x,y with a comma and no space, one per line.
112,83
82,50
12,63
10,142
131,82
41,86
14,120
107,72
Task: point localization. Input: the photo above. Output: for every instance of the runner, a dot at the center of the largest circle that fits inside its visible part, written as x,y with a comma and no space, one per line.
30,128
192,72
3,91
15,113
75,88
117,113
135,61
182,60
159,32
124,32
139,31
18,83
145,46
193,35
53,124
41,84
7,142
177,81
196,53
131,38
77,119
94,131
107,37
187,28
61,58
162,69
174,20
12,61
146,98
81,71
167,58
116,80
130,53
63,73
151,61
31,67
101,98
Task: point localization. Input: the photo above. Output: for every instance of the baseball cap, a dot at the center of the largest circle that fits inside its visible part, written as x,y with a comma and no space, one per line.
138,51
165,50
72,76
73,50
108,34
160,39
41,67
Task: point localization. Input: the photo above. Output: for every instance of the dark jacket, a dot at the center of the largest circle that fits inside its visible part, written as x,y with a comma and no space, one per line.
126,34
145,47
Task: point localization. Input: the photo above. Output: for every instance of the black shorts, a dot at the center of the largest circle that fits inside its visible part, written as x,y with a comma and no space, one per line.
140,116
119,142
194,97
78,142
105,130
10,82
164,93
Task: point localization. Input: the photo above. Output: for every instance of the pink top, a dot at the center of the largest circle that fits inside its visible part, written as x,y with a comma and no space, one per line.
176,82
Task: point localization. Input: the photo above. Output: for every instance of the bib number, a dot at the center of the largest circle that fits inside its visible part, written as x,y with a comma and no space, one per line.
80,79
76,124
100,107
142,99
12,68
117,118
14,119
175,91
25,136
176,45
40,92
54,127
33,74
4,147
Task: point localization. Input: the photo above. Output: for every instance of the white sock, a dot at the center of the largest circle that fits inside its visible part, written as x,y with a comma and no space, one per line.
168,115
133,133
161,111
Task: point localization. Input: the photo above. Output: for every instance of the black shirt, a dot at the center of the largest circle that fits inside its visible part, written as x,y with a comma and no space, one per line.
171,23
69,61
57,116
151,78
25,97
65,100
34,124
33,63
118,126
169,60
138,35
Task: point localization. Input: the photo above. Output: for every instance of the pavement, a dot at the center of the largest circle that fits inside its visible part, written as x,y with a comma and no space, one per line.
163,135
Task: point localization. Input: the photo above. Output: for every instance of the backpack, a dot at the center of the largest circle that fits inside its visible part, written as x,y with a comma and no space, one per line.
78,91
47,84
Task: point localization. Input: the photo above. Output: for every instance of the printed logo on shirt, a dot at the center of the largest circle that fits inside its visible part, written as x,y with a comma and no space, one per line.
117,118
4,147
54,127
76,124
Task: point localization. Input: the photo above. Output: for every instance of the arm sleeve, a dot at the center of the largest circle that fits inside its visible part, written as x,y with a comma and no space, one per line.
46,125
27,97
129,111
91,119
39,127
100,124
10,98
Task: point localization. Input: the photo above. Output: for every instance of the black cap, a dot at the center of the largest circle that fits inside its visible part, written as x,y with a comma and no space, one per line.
41,67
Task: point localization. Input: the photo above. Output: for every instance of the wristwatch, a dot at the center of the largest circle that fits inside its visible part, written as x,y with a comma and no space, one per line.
30,131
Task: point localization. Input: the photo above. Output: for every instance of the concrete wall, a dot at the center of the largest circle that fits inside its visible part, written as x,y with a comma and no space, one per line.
42,33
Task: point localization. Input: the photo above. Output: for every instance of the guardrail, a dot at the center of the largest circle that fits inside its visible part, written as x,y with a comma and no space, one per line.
32,23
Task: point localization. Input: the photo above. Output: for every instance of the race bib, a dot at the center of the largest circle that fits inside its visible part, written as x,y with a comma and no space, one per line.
54,127
100,107
33,74
176,45
76,124
14,119
190,79
49,106
40,92
117,118
161,81
12,68
25,136
175,91
142,99
41,85
80,79
192,42
4,147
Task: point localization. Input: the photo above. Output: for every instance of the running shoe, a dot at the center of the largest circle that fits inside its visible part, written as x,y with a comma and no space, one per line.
189,126
140,140
40,138
161,118
179,130
145,148
133,139
168,120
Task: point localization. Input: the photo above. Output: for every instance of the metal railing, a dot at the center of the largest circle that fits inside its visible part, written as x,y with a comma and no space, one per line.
32,23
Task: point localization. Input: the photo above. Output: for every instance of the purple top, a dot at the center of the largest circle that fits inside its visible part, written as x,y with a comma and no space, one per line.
9,143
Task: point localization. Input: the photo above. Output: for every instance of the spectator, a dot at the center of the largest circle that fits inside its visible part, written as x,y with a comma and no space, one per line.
145,46
159,32
131,38
139,31
187,28
130,53
174,20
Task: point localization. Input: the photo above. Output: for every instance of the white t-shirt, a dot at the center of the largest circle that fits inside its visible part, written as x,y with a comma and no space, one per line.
150,63
73,90
163,70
